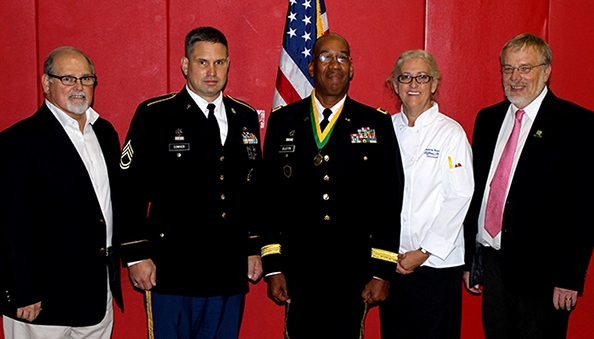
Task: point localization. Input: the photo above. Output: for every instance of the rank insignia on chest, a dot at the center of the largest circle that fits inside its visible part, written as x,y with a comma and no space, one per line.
179,135
249,138
364,135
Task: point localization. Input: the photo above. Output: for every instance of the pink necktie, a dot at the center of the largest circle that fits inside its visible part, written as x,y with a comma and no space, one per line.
496,201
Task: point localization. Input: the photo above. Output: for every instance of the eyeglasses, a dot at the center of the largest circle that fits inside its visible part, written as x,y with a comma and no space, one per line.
69,80
407,79
524,69
341,58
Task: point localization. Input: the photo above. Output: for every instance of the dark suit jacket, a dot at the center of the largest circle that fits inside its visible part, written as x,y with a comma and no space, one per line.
547,233
52,233
327,218
202,197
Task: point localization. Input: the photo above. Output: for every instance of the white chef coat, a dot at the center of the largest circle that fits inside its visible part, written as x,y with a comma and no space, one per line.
439,184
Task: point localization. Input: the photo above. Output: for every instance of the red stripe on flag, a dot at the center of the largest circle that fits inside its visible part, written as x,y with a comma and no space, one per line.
285,89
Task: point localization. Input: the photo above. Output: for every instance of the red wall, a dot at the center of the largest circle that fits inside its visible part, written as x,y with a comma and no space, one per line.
137,46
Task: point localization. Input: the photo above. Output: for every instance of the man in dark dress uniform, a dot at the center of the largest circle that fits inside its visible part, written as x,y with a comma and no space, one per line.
335,194
190,160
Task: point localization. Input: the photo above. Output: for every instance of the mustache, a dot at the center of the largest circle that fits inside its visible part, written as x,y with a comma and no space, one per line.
77,94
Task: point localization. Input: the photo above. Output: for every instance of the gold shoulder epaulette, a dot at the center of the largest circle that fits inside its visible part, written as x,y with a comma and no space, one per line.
381,110
161,98
276,109
241,102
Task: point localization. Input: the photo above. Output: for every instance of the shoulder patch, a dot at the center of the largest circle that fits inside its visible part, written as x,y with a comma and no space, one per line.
381,110
161,98
241,102
276,109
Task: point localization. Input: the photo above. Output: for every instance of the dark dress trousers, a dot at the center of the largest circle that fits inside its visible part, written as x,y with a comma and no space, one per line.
201,198
52,229
338,222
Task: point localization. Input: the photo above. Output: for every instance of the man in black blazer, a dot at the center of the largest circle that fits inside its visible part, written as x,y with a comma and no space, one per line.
334,194
191,161
528,236
58,183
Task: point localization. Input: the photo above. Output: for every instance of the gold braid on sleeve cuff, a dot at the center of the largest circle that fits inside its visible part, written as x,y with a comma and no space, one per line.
271,249
384,255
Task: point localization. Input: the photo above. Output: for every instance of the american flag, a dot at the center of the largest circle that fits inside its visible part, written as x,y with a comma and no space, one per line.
306,21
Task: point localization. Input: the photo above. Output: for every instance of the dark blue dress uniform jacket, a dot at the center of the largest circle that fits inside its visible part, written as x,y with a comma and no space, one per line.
191,204
329,219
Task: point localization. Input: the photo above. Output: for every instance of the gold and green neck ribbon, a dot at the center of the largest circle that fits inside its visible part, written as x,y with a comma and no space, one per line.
320,136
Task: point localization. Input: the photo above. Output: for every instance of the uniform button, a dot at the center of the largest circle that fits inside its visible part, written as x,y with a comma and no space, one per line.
326,157
101,221
326,197
102,250
162,235
222,197
326,178
222,177
179,155
222,158
365,158
327,218
224,215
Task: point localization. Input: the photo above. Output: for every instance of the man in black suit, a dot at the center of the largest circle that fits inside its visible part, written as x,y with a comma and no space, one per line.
191,161
528,232
334,179
58,174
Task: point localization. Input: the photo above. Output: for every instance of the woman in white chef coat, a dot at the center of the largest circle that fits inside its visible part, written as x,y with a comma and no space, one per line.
426,295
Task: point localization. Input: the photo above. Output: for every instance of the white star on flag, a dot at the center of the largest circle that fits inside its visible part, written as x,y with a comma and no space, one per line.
293,82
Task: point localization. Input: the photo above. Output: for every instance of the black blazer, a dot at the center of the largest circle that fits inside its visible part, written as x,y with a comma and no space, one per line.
327,218
547,233
202,196
52,233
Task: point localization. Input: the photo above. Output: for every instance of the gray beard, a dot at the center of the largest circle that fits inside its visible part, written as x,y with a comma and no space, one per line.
77,108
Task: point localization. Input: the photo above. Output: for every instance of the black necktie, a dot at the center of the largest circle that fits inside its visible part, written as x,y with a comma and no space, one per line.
327,112
212,120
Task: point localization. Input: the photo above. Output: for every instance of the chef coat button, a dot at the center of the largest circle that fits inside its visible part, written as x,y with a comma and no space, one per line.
326,197
327,218
326,178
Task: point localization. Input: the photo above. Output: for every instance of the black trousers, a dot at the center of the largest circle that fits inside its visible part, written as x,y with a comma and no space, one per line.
509,315
307,318
426,304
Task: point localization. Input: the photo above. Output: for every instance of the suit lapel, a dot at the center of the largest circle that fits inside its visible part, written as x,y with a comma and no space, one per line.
63,152
61,144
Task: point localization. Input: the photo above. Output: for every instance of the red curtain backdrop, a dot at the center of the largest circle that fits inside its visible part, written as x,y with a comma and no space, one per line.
137,45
